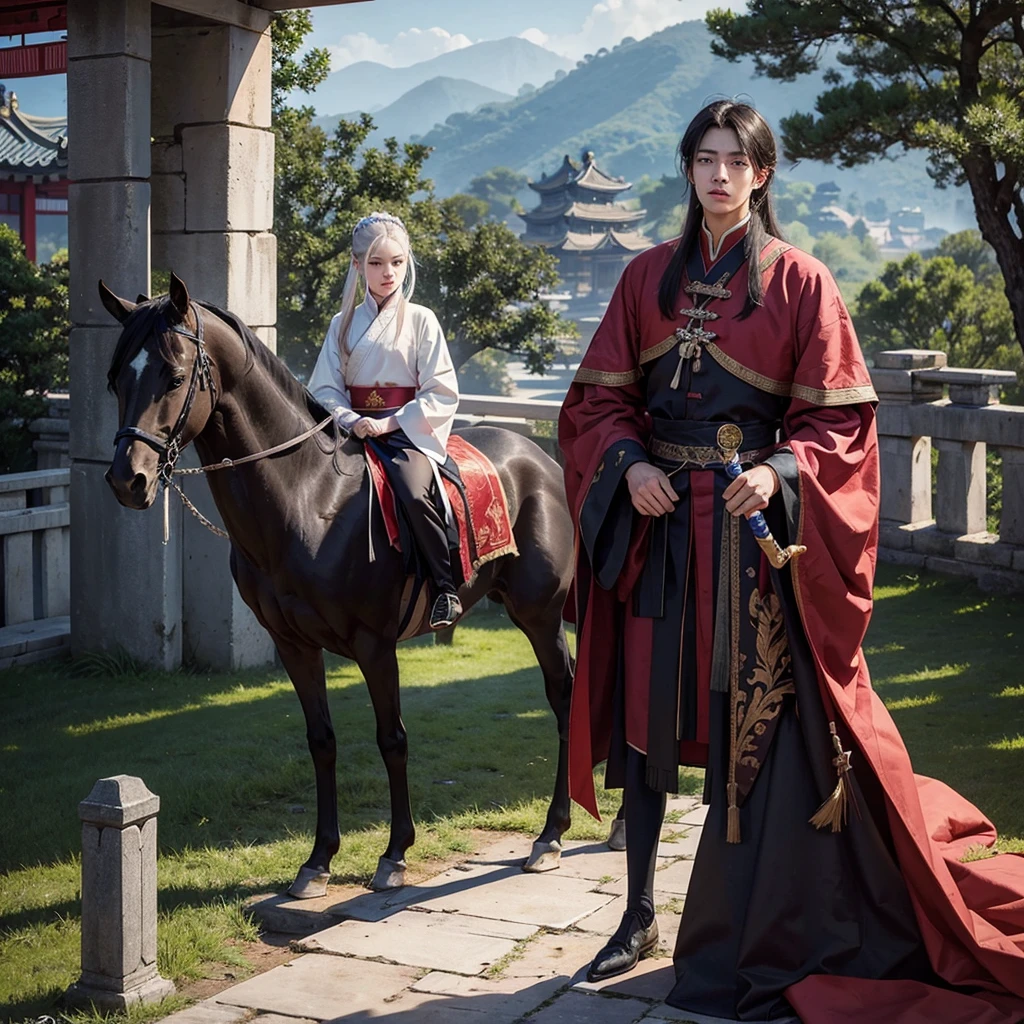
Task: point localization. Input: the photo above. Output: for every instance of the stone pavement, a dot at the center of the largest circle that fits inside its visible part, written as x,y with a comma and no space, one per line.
480,943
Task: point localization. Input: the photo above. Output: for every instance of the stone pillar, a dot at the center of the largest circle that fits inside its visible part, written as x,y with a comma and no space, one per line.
119,897
125,584
906,470
960,495
1011,523
213,180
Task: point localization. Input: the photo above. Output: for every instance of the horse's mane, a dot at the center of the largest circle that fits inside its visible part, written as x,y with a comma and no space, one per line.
157,316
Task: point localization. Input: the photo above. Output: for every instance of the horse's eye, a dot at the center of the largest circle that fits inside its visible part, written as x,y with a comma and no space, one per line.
176,383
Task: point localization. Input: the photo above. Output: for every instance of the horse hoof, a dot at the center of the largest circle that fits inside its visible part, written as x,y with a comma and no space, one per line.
617,836
390,874
544,856
309,883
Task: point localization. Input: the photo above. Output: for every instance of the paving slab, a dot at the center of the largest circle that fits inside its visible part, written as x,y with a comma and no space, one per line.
665,1012
208,1012
513,996
672,879
679,841
565,956
607,919
277,1018
493,891
415,1008
588,1008
441,942
279,912
695,817
591,860
683,804
652,978
321,987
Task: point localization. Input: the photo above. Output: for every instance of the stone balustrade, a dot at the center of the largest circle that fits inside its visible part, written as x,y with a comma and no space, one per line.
35,522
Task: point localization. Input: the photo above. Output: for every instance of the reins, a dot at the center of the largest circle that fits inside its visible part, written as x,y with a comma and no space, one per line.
169,450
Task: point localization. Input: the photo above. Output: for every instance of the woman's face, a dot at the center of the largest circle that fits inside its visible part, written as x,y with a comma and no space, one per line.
384,269
723,175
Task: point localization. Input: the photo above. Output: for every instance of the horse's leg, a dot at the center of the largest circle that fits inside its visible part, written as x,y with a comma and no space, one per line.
547,636
378,662
305,667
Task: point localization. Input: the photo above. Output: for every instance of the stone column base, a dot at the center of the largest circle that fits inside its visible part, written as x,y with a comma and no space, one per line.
83,995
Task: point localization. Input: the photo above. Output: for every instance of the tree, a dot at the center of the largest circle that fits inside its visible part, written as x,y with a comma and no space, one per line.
33,344
940,303
499,188
945,76
478,277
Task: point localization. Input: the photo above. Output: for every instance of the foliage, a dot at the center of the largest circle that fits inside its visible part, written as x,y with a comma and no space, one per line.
947,78
953,302
663,199
849,258
486,373
477,276
792,200
499,188
33,344
289,73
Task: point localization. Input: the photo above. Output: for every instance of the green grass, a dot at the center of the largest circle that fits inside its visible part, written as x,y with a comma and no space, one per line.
227,755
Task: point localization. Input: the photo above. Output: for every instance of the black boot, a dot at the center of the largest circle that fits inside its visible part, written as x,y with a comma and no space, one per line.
631,941
446,611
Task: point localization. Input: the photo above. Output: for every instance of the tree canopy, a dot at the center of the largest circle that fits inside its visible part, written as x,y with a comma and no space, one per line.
946,77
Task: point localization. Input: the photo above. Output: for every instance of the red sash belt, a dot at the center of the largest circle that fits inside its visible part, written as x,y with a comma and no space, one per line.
380,399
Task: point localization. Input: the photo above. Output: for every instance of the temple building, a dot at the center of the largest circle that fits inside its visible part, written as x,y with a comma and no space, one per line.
592,234
33,177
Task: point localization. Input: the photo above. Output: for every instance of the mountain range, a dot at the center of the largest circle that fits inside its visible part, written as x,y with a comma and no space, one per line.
504,65
422,107
630,106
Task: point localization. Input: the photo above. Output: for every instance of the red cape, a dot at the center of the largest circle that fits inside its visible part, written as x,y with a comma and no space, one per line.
971,915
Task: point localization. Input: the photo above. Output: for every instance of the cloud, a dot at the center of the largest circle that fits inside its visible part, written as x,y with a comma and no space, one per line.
612,20
409,47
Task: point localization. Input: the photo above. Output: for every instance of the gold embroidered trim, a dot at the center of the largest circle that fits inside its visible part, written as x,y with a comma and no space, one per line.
737,369
658,350
772,257
609,379
699,455
835,396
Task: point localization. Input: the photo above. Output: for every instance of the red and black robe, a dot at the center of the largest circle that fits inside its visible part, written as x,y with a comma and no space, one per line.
869,923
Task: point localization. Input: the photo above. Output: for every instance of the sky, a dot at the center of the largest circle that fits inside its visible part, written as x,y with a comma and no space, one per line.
403,32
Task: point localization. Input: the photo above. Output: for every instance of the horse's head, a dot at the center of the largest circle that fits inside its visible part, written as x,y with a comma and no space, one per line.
159,369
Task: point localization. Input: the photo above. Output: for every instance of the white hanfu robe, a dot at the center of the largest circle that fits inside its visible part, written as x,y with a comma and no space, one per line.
375,357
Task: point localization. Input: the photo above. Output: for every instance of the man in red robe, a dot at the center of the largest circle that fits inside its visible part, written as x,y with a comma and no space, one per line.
693,650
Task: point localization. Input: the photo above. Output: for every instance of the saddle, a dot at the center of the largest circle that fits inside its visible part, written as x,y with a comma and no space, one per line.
482,518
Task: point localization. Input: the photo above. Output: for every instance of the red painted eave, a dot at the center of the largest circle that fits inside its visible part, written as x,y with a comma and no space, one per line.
23,17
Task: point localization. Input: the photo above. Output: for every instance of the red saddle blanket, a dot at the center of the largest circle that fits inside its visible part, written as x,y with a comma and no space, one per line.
484,509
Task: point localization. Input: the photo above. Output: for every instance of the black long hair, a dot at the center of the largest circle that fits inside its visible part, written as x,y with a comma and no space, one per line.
758,144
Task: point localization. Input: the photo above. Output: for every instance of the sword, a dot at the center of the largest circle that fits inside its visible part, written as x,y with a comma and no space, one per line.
729,439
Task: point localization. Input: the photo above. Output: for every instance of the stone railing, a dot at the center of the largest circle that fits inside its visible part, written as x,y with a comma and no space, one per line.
52,433
35,522
938,519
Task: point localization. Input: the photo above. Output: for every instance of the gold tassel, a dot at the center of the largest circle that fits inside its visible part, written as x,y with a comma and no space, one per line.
732,831
678,375
832,813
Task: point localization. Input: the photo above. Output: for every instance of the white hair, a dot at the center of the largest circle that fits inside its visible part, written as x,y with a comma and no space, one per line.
367,236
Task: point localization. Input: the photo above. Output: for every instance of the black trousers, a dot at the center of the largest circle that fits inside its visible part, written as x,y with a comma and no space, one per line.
412,479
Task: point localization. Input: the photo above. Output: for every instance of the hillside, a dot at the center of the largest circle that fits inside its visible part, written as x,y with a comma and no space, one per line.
499,64
423,107
630,107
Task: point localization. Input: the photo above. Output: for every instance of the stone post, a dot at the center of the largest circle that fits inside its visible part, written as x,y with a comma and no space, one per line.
1011,524
906,498
125,584
119,897
213,181
960,494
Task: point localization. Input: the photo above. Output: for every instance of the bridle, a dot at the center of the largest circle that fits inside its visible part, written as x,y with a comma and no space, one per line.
169,449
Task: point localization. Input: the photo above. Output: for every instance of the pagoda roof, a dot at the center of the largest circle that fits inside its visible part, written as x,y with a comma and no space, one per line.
581,241
30,146
603,213
589,176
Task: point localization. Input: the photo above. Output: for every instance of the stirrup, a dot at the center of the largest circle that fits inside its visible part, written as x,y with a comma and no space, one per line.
446,611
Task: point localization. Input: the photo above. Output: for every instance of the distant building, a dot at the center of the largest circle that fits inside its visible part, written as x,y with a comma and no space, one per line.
33,176
592,234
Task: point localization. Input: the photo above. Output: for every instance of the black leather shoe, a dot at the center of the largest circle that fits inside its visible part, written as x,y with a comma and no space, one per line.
624,949
446,611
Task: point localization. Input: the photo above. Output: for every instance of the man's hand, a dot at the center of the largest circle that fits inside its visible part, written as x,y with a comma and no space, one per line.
650,489
750,491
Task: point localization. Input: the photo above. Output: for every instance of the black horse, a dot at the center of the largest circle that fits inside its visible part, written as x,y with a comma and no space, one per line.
297,522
